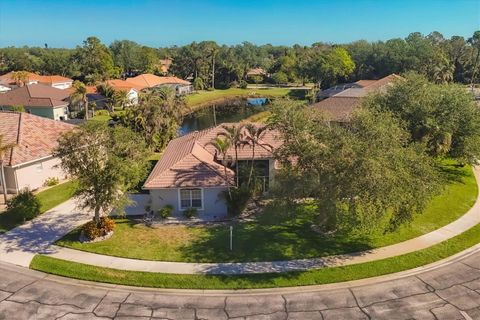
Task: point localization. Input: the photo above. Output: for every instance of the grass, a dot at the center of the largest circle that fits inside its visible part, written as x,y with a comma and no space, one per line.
48,199
204,97
313,277
275,235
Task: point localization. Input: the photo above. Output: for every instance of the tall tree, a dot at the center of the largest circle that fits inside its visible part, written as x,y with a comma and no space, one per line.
79,96
234,134
222,145
106,162
95,61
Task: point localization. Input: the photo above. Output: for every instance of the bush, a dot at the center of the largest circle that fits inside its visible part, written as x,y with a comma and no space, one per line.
237,199
101,113
243,84
280,77
50,182
115,116
24,205
198,84
166,211
92,230
190,213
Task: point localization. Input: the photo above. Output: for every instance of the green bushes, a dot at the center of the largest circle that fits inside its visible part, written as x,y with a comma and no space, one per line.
50,182
101,113
237,199
166,211
243,84
92,230
190,213
24,205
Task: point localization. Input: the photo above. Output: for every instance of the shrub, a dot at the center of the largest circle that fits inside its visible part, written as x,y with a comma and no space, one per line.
237,199
243,84
166,211
24,205
50,182
92,230
115,116
101,113
280,77
198,84
190,212
210,89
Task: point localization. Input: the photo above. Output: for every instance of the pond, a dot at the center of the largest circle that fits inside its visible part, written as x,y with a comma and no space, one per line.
234,111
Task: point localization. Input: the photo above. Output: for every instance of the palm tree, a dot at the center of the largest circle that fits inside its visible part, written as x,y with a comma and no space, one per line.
234,134
222,145
3,149
109,93
253,137
120,98
79,96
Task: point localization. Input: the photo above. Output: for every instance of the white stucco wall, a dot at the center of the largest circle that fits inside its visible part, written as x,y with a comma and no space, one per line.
33,176
133,96
213,205
60,113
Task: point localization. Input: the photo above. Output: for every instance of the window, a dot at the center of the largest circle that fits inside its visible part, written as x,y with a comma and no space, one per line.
191,198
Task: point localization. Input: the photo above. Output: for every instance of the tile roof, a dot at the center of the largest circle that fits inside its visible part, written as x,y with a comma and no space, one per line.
49,80
343,101
35,95
118,84
35,137
189,161
338,109
148,80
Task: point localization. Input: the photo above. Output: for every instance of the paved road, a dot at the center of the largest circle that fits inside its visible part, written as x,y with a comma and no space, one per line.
449,291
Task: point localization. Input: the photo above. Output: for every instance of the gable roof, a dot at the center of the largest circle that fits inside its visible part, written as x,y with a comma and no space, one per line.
35,137
124,85
189,161
148,80
35,95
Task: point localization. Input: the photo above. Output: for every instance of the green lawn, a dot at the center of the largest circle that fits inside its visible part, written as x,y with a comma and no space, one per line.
203,97
275,235
48,199
313,277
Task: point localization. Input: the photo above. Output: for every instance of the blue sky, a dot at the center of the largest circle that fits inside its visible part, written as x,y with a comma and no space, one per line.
175,22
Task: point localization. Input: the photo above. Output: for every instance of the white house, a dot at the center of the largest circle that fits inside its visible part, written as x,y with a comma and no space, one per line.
30,163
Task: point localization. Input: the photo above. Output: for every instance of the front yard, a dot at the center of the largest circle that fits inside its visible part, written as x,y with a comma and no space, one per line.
48,198
275,235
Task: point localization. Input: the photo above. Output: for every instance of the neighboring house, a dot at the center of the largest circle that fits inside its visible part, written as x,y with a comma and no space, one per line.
148,80
131,89
257,72
30,163
164,65
340,101
190,173
55,81
38,99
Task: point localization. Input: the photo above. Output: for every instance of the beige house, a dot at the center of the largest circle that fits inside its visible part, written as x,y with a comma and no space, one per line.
7,81
30,163
190,173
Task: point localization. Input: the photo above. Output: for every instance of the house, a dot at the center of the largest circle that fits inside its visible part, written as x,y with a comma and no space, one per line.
164,65
30,163
148,80
7,81
190,172
340,101
131,89
38,99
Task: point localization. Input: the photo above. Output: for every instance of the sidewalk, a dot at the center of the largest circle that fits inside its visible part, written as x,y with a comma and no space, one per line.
19,245
470,219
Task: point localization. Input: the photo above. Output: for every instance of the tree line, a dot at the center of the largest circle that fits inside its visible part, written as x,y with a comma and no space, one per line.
208,64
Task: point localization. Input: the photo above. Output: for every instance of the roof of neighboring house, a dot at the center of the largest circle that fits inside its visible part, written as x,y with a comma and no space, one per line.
338,109
50,80
343,99
189,161
148,80
35,137
256,72
35,95
124,85
165,64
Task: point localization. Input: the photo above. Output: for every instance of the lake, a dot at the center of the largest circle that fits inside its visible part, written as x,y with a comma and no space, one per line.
213,115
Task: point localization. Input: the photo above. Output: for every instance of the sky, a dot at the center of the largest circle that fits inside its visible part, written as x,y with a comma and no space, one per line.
177,22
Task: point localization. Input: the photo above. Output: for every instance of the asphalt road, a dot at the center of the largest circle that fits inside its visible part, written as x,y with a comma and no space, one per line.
449,290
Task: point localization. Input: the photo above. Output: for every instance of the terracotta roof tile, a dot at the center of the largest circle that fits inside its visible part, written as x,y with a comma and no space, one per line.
148,80
338,109
35,137
189,161
35,95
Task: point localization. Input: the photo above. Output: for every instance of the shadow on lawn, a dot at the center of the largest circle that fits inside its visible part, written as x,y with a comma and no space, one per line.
272,237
